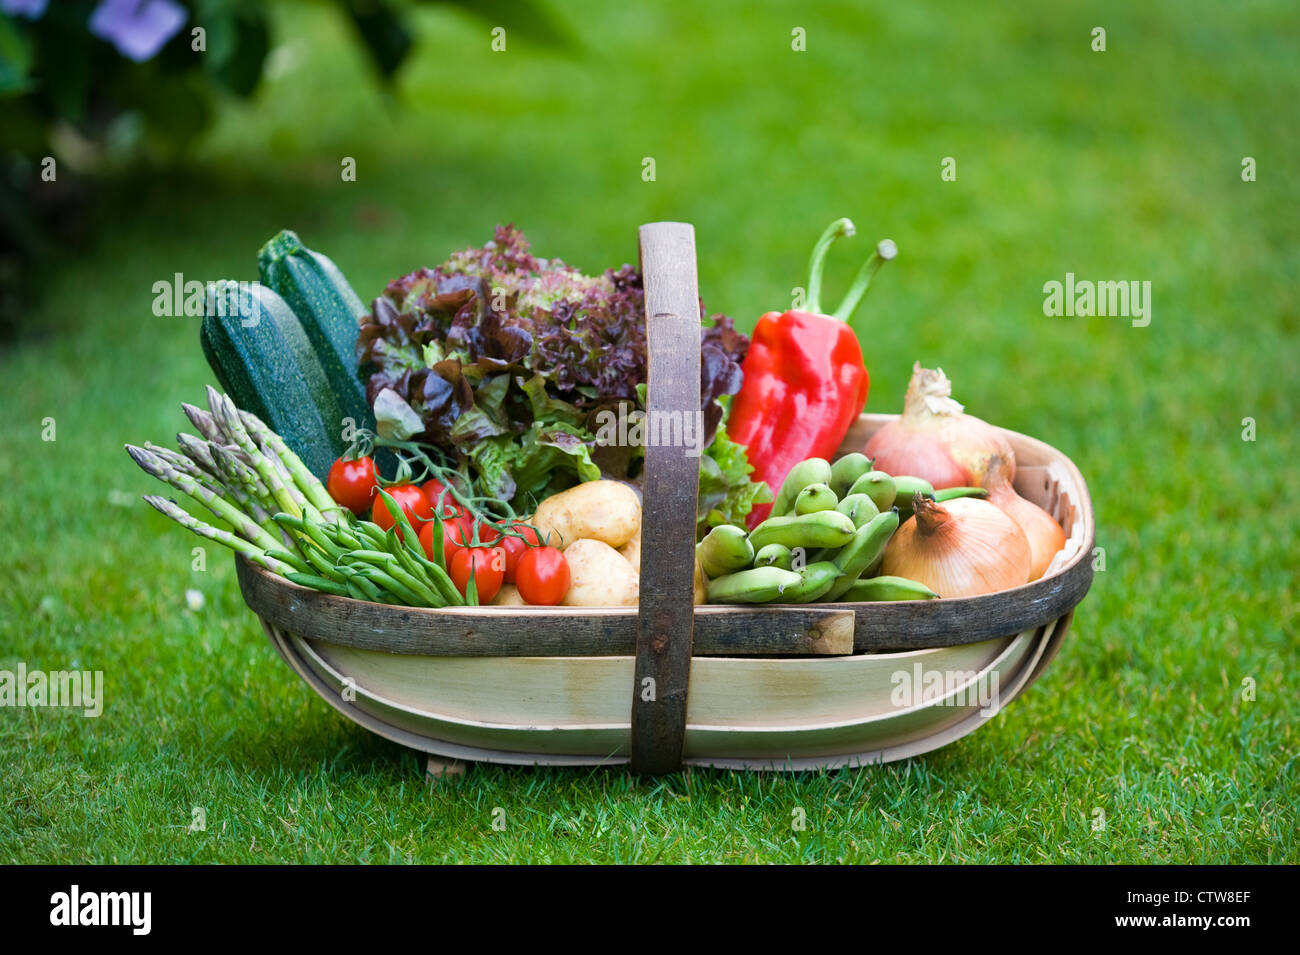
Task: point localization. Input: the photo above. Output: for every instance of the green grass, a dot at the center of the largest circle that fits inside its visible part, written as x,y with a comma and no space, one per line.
1123,164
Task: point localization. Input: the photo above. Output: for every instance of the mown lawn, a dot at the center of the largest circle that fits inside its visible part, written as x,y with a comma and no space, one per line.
1123,164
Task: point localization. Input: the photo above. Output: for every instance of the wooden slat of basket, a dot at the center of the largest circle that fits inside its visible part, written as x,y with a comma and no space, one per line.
533,631
665,618
538,694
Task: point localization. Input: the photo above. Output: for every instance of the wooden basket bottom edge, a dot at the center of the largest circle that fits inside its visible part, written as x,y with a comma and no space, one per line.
1048,642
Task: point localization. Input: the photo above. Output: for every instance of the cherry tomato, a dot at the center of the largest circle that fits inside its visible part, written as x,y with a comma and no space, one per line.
410,499
488,565
352,483
434,489
457,534
542,576
515,547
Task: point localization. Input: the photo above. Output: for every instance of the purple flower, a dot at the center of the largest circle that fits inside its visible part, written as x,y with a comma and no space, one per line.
31,9
138,28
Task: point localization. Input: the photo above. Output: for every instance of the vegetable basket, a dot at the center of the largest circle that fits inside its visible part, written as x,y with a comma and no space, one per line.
670,684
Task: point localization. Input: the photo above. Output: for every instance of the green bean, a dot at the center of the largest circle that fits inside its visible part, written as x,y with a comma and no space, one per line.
846,470
724,549
889,588
428,589
814,498
952,493
756,586
364,589
878,486
323,584
289,557
811,471
906,488
774,555
867,546
814,582
392,566
860,508
313,530
819,529
387,582
321,561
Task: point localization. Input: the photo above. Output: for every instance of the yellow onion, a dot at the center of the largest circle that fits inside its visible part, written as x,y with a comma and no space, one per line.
935,439
961,548
1044,534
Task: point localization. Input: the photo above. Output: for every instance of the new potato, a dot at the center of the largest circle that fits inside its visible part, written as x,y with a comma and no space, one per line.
508,596
606,511
632,551
599,576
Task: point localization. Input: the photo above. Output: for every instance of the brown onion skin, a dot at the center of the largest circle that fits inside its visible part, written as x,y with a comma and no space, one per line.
935,440
1044,534
917,555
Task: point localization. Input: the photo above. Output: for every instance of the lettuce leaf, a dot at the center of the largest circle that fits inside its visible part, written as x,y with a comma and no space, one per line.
727,495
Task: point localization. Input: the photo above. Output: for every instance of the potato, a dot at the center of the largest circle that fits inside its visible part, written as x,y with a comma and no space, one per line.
606,511
631,552
599,576
508,596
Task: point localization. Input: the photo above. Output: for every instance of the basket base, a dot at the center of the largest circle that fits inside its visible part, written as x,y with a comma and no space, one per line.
439,768
445,758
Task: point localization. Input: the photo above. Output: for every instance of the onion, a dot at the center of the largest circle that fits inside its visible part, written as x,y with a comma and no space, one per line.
960,548
1044,534
935,440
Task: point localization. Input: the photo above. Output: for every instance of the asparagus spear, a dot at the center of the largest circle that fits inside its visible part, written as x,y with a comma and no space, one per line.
254,553
244,525
197,450
306,481
204,423
238,474
186,465
223,410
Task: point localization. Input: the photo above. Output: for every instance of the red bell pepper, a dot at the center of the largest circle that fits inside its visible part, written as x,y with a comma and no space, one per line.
805,382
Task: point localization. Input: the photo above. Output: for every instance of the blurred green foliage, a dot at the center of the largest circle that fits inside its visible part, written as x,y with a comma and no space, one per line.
70,96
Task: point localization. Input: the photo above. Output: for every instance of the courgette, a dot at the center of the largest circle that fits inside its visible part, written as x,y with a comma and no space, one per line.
329,310
263,359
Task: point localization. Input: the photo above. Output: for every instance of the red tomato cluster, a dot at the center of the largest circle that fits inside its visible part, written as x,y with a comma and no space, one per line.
492,555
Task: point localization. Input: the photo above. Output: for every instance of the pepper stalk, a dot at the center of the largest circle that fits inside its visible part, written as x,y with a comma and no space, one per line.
840,229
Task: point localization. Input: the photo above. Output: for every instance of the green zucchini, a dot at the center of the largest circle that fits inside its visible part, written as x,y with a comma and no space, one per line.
329,310
264,361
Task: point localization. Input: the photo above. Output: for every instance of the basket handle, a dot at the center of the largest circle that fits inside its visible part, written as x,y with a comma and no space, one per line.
666,616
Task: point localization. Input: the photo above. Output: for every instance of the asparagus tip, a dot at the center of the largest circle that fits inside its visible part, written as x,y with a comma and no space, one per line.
141,457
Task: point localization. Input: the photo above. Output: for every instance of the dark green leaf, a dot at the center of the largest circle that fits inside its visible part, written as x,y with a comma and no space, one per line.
383,31
524,18
238,43
15,58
